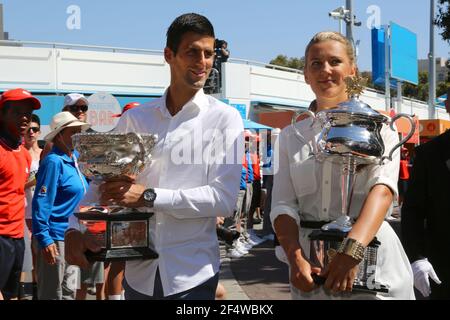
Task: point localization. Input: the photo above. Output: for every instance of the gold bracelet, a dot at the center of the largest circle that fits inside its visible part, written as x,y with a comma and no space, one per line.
352,248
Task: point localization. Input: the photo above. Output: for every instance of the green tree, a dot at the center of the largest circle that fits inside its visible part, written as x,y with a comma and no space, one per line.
443,19
419,91
284,61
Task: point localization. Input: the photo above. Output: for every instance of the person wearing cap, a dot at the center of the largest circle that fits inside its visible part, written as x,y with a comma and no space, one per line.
78,105
59,187
186,196
16,107
127,107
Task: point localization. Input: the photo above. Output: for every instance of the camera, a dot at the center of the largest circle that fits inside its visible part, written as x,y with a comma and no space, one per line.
334,14
227,235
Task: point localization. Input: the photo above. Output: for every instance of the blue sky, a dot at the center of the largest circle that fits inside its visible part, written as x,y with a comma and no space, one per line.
255,29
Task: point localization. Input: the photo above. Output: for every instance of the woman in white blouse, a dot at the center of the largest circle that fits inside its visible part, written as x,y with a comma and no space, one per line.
308,190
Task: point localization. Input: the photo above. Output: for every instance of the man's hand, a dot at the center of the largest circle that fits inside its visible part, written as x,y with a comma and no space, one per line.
50,253
301,271
422,270
122,191
340,273
76,244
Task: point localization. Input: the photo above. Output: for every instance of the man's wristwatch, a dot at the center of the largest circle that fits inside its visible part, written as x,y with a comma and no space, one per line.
149,197
352,248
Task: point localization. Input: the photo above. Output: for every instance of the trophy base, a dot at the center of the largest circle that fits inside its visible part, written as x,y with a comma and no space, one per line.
357,287
324,246
122,254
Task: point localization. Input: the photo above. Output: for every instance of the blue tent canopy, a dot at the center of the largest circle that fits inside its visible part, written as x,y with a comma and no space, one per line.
249,124
440,101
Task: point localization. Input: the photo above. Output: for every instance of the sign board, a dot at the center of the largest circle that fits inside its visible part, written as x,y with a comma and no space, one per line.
378,57
433,127
402,47
102,107
404,64
378,61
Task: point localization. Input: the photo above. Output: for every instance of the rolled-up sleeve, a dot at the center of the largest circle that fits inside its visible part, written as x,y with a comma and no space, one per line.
284,200
387,173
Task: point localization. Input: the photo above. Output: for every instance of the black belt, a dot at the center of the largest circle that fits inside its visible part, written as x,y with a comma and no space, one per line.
313,224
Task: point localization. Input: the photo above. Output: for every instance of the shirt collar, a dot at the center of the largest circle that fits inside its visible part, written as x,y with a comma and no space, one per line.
198,101
63,155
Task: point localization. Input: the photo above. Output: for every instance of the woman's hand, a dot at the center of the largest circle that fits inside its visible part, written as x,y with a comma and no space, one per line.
50,253
301,271
340,273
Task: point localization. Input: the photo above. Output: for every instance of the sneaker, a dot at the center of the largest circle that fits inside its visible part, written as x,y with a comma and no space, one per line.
254,238
238,245
246,244
234,253
92,290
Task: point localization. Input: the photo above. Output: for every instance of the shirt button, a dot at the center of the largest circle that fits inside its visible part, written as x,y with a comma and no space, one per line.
325,210
326,181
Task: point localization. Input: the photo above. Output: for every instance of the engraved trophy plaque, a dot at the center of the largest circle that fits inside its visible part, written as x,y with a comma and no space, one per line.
350,137
122,232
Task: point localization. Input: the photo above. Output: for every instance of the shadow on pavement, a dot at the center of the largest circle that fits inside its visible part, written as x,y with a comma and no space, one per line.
261,275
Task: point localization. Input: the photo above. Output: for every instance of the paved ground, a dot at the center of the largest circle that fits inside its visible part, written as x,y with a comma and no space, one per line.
256,276
260,275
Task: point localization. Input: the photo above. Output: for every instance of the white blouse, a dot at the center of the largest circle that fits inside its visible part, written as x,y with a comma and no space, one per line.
308,190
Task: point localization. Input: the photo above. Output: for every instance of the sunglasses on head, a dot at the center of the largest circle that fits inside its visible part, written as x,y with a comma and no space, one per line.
74,108
34,129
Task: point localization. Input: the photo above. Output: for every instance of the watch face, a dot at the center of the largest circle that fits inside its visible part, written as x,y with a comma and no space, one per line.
149,195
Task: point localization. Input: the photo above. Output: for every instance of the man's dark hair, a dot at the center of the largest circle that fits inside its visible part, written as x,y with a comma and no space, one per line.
189,22
35,118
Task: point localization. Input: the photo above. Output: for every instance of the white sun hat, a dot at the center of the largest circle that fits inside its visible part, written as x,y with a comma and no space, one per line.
63,120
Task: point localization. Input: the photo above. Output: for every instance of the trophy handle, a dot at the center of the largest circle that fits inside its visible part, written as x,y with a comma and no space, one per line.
297,131
403,141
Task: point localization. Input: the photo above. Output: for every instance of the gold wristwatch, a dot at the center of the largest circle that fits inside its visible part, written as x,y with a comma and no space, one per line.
352,248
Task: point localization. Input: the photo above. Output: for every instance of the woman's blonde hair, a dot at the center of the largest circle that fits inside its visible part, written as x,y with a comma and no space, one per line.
331,35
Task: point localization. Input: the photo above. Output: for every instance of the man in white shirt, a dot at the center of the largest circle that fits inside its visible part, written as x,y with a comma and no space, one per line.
193,177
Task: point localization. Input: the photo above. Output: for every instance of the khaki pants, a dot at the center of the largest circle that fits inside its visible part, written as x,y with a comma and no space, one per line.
58,281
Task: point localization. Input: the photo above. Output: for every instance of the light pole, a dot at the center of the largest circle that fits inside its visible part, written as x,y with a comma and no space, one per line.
431,67
346,14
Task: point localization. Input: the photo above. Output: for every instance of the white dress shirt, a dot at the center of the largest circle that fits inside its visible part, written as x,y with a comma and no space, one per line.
195,170
309,190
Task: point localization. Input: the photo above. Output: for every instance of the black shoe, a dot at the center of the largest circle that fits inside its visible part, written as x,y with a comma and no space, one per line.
256,221
227,235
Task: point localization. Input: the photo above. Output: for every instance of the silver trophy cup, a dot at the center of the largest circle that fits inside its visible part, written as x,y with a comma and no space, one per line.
350,136
122,232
